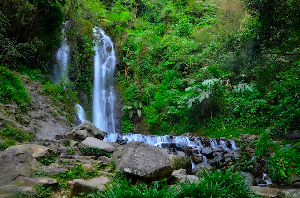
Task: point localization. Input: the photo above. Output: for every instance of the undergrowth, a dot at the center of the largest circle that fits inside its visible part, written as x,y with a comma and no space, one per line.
62,93
212,184
11,134
12,90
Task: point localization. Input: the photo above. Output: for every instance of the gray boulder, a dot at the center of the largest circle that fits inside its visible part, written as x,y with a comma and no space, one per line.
27,181
96,143
80,186
289,193
84,130
178,176
142,160
14,189
198,170
193,179
37,151
249,178
16,162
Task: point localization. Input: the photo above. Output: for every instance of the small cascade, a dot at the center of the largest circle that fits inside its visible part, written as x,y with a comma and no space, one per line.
267,179
61,68
80,113
233,145
152,139
211,150
224,146
104,93
213,143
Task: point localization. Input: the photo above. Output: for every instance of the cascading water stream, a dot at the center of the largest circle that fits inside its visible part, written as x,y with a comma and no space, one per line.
61,69
62,60
104,93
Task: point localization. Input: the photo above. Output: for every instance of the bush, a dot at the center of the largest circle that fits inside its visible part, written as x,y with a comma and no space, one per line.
10,134
64,94
91,151
43,192
285,102
284,164
11,89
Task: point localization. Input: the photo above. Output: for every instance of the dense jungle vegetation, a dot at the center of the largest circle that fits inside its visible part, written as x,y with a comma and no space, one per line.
213,68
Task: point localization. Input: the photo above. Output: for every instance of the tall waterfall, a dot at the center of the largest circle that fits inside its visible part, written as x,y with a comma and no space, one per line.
104,93
61,69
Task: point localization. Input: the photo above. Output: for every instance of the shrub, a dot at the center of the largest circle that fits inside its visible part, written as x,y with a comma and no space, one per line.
64,94
285,102
11,89
77,172
91,151
43,192
284,164
10,134
47,160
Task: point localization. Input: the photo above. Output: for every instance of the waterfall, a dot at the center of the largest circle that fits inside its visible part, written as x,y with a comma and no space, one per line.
62,59
104,93
61,68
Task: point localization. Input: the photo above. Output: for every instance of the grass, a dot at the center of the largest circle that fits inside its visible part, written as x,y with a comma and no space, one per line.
12,90
215,184
11,134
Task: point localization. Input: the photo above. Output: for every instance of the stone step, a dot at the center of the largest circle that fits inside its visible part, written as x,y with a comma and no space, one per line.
104,173
13,188
28,181
54,170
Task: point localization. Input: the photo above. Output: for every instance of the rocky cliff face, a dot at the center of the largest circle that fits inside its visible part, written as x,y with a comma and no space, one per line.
44,118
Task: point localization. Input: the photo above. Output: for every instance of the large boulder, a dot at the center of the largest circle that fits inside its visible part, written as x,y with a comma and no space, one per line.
84,130
81,186
265,191
16,162
142,160
37,151
96,143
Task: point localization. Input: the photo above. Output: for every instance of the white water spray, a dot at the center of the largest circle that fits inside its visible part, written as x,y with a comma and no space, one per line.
104,94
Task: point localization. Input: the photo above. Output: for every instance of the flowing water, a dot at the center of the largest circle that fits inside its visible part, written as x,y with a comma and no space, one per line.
104,93
159,141
80,113
61,69
62,60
